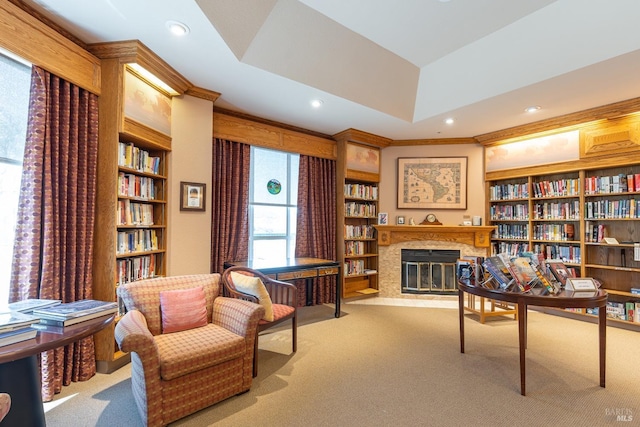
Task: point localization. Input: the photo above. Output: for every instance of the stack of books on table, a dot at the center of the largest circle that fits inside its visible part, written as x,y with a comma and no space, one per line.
70,313
16,327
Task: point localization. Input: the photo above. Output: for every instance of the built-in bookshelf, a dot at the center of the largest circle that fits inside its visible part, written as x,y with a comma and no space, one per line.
584,213
130,241
358,208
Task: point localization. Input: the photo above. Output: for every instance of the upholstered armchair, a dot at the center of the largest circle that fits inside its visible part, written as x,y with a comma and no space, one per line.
278,298
190,347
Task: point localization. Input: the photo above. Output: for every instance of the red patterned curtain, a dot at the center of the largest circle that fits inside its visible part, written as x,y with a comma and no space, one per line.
54,233
316,226
230,203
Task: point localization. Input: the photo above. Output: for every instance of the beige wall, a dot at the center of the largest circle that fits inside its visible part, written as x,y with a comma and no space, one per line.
190,160
475,182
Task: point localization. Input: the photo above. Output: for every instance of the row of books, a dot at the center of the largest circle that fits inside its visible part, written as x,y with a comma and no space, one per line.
510,248
621,183
603,209
566,253
508,192
136,268
131,213
512,231
359,231
354,267
132,185
360,209
556,188
21,321
628,310
557,210
352,247
556,232
361,191
133,157
518,212
594,232
141,240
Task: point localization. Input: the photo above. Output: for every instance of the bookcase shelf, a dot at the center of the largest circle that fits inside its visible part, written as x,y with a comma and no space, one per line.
598,204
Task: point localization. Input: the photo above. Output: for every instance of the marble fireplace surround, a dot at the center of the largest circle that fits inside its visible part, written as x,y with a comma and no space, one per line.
469,240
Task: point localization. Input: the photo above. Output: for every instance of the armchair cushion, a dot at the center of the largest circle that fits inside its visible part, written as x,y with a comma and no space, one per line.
253,286
183,309
196,349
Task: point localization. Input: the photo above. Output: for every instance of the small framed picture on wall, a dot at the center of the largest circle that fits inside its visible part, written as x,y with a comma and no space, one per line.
192,196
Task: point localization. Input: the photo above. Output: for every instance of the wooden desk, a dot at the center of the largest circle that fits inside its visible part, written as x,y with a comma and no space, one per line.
308,269
19,373
564,300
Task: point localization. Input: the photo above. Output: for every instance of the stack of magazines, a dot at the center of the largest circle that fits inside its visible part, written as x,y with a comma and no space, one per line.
70,313
16,327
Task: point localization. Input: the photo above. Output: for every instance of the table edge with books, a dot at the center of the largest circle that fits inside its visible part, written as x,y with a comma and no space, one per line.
564,299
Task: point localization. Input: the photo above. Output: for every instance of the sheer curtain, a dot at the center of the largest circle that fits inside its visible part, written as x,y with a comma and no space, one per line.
316,225
53,248
230,203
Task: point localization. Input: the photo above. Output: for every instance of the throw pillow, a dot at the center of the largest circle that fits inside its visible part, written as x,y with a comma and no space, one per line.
183,309
253,286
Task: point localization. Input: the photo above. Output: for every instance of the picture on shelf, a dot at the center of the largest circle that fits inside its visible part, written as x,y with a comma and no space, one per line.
383,218
400,220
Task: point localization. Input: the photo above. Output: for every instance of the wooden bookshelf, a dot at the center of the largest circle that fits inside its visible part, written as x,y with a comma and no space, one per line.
130,241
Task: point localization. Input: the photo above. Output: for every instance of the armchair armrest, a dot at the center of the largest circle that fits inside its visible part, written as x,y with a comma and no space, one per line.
132,335
238,316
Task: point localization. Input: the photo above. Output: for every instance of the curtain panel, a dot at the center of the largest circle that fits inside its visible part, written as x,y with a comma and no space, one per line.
316,225
53,247
230,203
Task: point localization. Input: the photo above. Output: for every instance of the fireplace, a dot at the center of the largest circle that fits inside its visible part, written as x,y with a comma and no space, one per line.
467,240
428,271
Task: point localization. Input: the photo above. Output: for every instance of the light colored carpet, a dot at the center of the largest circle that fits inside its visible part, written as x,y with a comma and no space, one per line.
381,365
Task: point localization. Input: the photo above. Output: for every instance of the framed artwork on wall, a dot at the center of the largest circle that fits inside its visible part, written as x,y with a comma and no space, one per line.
192,196
432,183
363,158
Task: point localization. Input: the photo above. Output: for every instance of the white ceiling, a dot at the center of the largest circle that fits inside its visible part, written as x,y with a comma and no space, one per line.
395,68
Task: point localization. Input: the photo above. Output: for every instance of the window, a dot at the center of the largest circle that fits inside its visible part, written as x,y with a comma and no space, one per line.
273,198
15,80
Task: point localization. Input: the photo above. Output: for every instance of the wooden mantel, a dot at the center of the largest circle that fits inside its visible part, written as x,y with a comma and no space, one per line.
478,236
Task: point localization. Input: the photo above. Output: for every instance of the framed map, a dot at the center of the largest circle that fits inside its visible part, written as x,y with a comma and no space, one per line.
432,183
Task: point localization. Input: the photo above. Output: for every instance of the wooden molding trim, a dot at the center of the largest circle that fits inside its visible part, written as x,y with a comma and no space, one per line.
239,129
366,138
133,51
562,123
41,45
201,93
479,236
435,141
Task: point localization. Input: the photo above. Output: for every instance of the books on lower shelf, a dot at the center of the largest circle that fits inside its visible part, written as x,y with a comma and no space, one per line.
67,314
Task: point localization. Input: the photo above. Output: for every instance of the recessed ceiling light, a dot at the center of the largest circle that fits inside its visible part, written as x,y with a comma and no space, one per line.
177,28
532,109
449,121
317,103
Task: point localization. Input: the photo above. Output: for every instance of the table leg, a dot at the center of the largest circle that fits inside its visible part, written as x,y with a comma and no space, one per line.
461,314
602,338
21,379
522,338
338,294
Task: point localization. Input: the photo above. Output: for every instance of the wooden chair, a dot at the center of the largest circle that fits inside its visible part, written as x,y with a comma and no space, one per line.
283,301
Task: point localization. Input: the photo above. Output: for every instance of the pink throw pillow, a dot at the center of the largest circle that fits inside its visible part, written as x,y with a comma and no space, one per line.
183,309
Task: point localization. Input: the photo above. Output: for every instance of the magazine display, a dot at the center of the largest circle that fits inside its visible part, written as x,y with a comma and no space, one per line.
67,314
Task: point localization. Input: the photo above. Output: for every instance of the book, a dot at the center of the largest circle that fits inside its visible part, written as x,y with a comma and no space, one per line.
76,309
559,271
15,320
58,322
28,305
17,335
494,266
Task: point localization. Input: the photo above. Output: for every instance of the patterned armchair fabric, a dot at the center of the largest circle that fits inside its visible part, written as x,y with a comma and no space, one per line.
177,374
5,405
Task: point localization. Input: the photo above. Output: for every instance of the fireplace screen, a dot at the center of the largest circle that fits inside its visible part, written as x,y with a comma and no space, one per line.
429,271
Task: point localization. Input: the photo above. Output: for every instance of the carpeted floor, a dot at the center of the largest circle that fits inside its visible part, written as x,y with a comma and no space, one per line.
381,365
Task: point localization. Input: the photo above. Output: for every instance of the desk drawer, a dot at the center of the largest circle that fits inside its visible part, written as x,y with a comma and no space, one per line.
302,274
328,271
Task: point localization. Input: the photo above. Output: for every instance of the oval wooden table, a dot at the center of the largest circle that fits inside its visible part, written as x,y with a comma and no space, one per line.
565,299
19,373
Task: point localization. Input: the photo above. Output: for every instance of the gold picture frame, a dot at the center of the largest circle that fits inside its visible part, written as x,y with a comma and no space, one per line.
432,183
